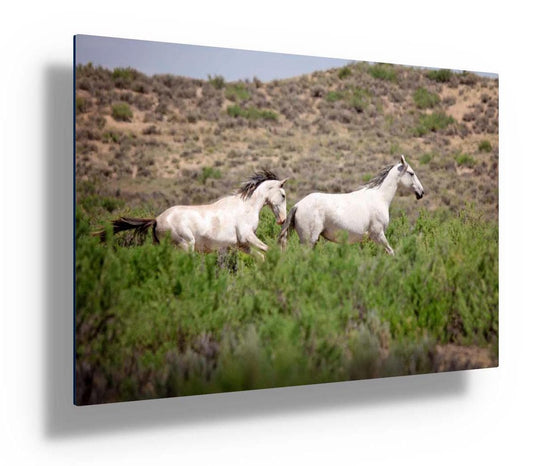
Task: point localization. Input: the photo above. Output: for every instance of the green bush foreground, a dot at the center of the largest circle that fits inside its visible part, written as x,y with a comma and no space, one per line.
153,321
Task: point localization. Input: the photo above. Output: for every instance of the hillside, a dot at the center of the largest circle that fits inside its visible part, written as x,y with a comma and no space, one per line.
166,139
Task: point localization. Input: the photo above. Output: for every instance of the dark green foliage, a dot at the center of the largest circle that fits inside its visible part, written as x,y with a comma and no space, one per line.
121,112
210,172
359,99
251,113
441,75
237,92
432,122
218,82
344,72
465,160
123,77
333,96
425,99
485,146
426,158
383,71
154,321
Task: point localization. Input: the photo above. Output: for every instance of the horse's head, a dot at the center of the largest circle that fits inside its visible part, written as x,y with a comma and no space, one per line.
408,178
276,199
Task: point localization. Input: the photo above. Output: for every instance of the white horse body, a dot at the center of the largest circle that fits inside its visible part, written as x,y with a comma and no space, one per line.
339,216
351,216
229,222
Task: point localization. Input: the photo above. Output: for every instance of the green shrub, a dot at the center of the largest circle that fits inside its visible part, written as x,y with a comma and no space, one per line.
440,75
123,77
121,112
432,122
111,136
251,113
383,71
359,99
237,92
218,82
334,96
344,72
485,146
426,158
465,160
425,99
81,104
210,172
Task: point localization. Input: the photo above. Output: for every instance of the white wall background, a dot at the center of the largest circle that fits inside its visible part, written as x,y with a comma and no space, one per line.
478,417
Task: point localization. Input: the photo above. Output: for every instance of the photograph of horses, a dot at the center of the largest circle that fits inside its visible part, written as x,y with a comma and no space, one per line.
249,220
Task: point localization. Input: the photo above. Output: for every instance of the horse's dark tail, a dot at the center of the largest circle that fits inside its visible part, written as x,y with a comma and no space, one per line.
288,224
140,225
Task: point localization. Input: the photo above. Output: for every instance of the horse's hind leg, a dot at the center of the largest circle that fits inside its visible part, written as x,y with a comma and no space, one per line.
308,229
308,237
184,239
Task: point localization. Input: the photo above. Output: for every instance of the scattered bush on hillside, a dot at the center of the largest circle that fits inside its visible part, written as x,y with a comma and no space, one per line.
123,77
424,99
359,99
440,75
209,172
82,104
121,112
432,122
333,96
344,72
465,160
251,113
218,82
484,146
383,71
237,92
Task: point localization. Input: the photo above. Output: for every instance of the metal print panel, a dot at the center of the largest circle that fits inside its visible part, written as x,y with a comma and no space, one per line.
249,220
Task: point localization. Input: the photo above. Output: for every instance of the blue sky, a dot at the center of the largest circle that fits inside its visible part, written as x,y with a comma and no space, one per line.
199,61
196,61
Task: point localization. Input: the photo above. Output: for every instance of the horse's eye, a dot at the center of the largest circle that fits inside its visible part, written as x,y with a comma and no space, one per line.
282,196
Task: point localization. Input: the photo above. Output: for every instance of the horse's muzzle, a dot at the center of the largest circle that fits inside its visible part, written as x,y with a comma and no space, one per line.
280,221
419,195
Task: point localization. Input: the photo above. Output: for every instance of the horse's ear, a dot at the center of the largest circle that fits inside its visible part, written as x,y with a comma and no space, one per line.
403,160
282,182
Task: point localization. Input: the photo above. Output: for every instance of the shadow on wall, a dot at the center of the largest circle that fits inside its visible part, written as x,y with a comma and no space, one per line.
63,419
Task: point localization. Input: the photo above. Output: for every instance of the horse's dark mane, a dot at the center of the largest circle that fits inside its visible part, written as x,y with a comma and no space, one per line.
249,186
378,180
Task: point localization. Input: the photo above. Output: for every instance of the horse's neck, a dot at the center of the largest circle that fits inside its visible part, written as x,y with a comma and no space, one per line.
388,188
257,200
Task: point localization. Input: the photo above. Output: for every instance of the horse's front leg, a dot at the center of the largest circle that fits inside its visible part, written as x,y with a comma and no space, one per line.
380,238
254,241
252,252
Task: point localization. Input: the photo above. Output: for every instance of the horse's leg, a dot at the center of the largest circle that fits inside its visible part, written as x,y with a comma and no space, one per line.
184,239
254,241
252,252
380,238
308,232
